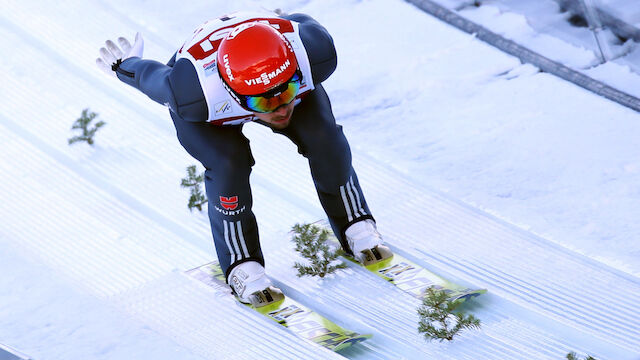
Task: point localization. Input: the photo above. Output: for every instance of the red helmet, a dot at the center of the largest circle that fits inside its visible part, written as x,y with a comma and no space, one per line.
254,58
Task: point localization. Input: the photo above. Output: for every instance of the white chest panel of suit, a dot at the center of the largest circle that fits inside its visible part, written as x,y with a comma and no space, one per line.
202,50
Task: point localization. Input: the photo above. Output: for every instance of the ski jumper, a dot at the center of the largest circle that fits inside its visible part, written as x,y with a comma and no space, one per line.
209,125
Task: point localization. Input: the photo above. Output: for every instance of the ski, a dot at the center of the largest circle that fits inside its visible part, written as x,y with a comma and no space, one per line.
298,318
407,275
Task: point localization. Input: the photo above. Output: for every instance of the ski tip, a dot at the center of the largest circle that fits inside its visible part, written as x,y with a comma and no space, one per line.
351,341
469,295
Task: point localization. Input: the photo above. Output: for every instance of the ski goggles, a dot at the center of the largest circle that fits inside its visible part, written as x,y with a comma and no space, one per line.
270,101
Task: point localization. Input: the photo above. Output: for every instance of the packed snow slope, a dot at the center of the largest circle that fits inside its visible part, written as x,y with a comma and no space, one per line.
479,167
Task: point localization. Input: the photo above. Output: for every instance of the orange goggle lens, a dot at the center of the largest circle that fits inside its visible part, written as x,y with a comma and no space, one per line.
282,95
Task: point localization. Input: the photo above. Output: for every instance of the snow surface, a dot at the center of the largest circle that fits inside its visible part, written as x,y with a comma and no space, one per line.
487,170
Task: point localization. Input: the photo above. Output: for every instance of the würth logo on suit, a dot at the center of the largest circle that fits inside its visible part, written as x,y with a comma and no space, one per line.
230,206
229,203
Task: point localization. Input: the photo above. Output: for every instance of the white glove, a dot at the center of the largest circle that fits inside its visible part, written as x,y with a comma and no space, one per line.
111,56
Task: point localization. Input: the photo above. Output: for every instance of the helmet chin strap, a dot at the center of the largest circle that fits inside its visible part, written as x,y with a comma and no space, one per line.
229,90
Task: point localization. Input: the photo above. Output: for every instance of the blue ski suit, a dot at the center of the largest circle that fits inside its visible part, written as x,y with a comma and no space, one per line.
224,151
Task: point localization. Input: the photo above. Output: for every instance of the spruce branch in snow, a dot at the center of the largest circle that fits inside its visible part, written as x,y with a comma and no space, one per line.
573,356
193,182
438,321
312,243
82,124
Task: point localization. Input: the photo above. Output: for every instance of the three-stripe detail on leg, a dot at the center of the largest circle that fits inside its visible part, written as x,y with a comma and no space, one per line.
351,200
234,238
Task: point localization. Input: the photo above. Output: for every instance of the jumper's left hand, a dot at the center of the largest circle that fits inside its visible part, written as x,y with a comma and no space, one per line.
111,56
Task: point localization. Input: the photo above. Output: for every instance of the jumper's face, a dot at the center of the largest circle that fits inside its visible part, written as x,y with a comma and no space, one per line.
280,118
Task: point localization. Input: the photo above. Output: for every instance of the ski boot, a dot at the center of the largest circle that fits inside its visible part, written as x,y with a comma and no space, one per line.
252,286
366,243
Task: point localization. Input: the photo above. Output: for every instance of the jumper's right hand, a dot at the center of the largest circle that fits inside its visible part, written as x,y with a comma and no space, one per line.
112,56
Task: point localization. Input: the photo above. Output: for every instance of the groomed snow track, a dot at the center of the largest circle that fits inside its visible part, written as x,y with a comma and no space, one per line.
131,244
